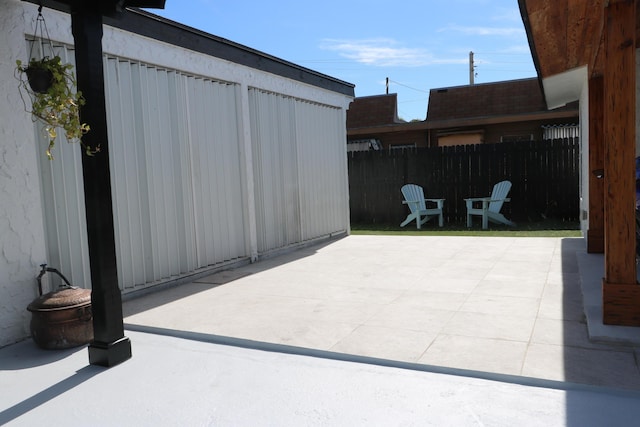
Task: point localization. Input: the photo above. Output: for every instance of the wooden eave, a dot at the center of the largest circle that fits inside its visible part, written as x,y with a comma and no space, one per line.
566,34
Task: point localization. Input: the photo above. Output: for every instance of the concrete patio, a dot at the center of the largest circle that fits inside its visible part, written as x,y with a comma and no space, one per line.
510,306
405,330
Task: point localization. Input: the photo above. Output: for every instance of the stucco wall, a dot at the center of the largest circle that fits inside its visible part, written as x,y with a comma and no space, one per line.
22,246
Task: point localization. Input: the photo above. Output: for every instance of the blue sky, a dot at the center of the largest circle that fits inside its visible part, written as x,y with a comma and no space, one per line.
417,44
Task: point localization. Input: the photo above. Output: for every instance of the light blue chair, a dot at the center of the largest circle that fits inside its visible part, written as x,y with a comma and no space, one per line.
489,207
414,198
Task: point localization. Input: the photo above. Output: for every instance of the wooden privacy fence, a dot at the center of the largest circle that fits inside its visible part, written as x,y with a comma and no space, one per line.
544,174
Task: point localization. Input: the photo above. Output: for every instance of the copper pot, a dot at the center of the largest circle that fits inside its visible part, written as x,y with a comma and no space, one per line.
61,318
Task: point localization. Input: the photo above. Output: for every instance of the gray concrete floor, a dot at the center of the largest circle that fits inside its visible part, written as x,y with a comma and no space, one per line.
510,306
365,330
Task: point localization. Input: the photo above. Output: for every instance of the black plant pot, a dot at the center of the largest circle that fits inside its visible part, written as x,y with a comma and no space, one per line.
40,79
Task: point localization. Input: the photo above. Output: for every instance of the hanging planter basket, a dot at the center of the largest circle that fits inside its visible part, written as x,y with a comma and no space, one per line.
49,91
40,79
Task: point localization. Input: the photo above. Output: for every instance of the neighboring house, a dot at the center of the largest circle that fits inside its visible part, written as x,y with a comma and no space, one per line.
506,111
589,54
219,154
473,114
373,124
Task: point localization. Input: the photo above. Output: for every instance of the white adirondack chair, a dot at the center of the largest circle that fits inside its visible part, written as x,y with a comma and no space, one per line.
414,198
489,207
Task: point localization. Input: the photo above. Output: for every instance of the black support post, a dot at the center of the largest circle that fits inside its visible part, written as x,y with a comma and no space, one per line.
109,346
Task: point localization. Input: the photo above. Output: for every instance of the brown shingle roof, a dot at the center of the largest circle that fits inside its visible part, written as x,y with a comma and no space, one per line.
375,110
486,100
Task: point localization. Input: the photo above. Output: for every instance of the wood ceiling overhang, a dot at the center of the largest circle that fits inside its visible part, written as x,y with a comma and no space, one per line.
565,34
111,8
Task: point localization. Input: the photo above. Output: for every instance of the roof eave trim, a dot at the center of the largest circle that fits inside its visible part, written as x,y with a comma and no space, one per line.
147,24
524,14
560,89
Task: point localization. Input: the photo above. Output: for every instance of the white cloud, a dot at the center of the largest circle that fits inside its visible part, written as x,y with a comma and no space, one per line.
384,52
485,31
522,49
511,14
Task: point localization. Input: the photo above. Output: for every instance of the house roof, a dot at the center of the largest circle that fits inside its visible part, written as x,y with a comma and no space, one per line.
490,103
378,110
486,100
471,105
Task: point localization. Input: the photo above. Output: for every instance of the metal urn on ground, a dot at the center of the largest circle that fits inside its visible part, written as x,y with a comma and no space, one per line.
61,318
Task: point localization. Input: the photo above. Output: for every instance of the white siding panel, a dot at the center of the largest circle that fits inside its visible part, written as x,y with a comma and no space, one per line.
181,187
275,170
322,171
184,194
217,174
161,174
299,157
120,91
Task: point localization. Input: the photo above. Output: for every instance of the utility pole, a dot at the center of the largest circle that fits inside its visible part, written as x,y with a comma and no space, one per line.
387,85
471,68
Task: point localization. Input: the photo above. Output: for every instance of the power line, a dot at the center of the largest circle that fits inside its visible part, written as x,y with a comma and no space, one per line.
503,53
413,100
501,62
408,87
515,70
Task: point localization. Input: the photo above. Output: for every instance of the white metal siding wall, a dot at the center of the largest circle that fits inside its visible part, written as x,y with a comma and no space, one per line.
176,173
275,170
323,170
63,200
299,169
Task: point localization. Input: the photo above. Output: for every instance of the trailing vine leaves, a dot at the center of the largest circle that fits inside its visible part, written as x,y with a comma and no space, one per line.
58,107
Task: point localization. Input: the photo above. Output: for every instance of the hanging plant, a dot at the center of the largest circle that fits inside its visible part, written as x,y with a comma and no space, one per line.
55,101
52,87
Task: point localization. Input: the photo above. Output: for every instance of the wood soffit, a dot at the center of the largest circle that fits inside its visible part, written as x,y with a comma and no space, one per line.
566,34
